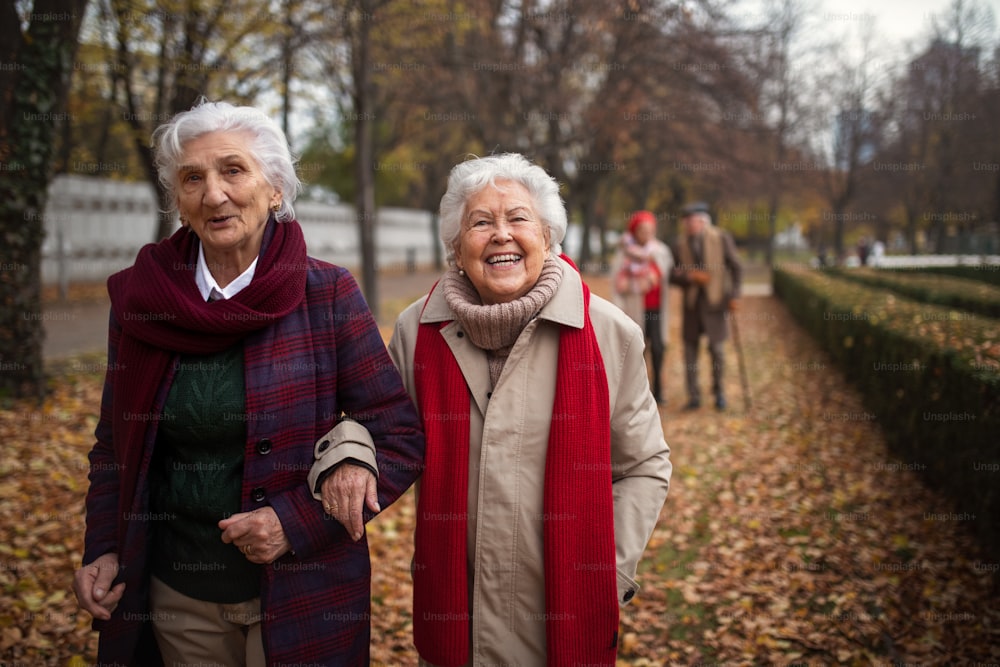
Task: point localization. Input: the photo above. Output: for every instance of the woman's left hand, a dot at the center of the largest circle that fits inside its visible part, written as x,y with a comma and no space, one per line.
258,534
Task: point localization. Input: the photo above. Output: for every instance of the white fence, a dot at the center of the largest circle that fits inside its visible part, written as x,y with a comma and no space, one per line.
95,226
921,261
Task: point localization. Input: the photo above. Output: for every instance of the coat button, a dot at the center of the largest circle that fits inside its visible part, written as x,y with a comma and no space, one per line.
460,334
264,446
258,494
323,446
629,594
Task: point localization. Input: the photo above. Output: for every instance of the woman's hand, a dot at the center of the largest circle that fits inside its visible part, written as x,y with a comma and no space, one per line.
258,534
345,491
92,585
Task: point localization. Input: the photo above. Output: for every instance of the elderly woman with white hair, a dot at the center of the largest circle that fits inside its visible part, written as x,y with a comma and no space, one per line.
231,356
545,466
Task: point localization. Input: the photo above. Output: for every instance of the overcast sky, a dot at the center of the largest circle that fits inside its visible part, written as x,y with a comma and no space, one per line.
901,27
900,20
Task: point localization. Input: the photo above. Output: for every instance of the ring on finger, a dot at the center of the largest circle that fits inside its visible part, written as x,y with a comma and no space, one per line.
247,549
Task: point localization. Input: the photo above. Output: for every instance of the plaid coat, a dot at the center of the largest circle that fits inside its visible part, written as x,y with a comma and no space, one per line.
323,360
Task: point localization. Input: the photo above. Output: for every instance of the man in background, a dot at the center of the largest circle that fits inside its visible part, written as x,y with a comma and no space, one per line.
710,274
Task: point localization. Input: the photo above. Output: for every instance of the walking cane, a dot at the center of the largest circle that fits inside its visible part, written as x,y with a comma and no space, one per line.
747,402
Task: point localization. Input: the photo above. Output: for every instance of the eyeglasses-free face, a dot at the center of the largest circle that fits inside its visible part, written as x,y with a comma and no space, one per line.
503,243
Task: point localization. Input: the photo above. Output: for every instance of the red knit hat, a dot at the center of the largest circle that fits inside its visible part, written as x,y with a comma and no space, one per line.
640,217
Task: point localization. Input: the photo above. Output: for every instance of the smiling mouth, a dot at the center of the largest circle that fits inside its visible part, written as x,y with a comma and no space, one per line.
508,259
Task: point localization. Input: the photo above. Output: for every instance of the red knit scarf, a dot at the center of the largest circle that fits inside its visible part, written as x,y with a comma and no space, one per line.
581,607
162,313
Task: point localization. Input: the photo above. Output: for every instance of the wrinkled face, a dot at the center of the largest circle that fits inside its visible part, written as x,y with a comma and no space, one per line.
644,231
222,193
502,243
694,224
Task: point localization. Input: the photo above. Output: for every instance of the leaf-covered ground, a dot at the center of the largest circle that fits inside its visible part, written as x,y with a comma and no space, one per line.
790,536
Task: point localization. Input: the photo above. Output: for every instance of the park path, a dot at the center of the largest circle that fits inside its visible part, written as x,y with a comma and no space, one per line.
790,535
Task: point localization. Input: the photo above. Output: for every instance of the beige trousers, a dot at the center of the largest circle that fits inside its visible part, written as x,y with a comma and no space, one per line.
194,632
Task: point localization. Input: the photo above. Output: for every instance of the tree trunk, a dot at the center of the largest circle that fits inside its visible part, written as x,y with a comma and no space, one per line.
996,198
839,250
287,62
364,165
436,242
588,208
140,140
583,258
911,229
772,228
34,99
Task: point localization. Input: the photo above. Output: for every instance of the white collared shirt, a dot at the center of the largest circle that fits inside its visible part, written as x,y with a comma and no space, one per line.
210,289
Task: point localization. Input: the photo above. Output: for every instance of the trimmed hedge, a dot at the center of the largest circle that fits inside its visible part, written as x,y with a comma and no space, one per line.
971,295
931,377
986,273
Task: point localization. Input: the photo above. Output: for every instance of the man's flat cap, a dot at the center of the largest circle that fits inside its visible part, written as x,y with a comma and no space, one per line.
695,207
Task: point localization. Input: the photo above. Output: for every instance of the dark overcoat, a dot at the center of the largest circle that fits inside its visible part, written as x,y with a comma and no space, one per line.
323,359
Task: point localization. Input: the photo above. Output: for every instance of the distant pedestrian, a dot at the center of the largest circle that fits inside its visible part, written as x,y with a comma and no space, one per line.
641,271
710,273
877,253
822,259
863,250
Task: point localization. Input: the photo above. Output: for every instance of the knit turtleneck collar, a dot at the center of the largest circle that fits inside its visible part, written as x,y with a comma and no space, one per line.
495,327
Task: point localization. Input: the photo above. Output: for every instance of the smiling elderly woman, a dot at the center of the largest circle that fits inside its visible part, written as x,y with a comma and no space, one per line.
546,466
230,354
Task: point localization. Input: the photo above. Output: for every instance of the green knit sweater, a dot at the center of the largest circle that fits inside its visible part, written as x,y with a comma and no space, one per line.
196,477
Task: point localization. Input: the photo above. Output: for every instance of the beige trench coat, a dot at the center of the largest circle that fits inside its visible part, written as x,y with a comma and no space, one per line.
509,433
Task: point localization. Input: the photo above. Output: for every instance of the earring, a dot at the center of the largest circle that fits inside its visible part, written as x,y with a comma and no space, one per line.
461,272
276,207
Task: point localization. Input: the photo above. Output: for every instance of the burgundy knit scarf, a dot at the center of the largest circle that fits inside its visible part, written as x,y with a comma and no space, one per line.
581,607
162,313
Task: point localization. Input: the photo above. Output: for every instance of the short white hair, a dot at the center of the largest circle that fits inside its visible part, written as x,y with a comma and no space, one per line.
469,177
268,146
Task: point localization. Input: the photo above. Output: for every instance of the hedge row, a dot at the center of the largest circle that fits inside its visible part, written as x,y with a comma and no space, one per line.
986,273
931,377
962,293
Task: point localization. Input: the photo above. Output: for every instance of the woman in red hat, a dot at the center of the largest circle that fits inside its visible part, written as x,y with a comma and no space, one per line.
641,269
